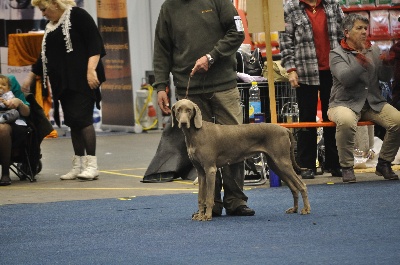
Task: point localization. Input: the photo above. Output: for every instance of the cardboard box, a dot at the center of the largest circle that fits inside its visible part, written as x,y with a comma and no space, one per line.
255,15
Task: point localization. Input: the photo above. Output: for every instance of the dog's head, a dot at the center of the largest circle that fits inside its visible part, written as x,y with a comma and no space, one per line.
184,111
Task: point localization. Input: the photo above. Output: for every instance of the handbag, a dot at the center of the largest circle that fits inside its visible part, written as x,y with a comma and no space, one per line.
249,63
280,74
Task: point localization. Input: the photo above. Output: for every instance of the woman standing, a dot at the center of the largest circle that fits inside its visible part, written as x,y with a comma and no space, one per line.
311,31
70,61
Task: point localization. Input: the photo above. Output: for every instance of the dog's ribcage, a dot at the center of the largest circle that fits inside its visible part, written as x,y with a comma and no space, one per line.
228,144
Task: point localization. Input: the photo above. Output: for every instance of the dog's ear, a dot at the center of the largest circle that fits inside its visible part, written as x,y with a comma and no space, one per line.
198,119
173,115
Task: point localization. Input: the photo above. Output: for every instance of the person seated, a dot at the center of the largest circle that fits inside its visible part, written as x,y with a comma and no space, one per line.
357,67
12,132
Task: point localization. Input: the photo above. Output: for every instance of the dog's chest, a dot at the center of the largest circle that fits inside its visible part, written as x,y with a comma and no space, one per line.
191,152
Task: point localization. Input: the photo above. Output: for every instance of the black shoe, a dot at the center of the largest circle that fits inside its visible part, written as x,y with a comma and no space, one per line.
336,172
384,168
348,175
157,178
5,181
242,210
307,174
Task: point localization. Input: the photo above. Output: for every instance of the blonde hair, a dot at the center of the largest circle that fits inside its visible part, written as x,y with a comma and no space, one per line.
63,4
3,77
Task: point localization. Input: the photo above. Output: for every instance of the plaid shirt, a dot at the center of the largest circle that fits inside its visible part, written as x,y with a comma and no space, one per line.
297,41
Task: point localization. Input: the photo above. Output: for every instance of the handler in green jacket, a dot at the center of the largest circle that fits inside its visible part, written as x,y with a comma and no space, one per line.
197,41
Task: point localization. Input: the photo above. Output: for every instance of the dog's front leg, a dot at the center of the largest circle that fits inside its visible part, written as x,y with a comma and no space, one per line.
201,200
210,193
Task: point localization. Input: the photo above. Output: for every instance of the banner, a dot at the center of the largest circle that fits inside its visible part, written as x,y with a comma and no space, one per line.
19,16
117,103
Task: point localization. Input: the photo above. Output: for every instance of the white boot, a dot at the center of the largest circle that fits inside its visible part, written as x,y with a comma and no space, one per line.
90,172
76,168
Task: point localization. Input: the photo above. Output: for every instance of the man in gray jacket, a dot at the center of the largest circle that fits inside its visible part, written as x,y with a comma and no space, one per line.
197,41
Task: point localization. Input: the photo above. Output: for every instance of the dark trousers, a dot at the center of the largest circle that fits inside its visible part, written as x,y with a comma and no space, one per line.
307,99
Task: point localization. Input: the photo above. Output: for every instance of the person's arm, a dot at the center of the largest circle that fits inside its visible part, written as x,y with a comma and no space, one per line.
234,36
90,35
286,41
341,70
339,18
229,43
396,49
37,70
162,62
28,81
18,104
385,63
91,72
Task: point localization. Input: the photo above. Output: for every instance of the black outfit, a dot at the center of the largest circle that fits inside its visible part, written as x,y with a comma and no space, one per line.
67,70
307,100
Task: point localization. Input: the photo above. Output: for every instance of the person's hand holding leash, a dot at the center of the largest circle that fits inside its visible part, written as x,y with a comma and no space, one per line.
201,66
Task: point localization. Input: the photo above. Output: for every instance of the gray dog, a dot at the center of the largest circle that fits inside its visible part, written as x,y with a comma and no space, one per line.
211,146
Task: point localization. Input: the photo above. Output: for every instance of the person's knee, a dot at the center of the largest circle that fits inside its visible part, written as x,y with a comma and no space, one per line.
395,125
346,122
5,131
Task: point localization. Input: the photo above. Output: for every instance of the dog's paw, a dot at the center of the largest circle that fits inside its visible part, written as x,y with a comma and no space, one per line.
198,217
305,211
291,210
206,218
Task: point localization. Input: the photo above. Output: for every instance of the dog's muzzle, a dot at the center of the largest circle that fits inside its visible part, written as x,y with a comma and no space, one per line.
184,120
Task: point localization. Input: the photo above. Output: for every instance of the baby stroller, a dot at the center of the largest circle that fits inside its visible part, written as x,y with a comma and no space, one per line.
26,159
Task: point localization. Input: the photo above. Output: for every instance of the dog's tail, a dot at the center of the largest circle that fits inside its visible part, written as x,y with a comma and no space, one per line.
296,167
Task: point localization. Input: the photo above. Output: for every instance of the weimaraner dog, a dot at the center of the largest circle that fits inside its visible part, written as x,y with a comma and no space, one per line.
211,146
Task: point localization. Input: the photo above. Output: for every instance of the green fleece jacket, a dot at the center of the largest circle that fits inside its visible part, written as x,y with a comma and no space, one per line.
189,29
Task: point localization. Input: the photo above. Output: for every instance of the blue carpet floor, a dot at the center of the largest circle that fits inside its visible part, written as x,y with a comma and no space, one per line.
349,224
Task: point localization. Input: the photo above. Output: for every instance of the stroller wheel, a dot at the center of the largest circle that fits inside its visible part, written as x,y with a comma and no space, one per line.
39,167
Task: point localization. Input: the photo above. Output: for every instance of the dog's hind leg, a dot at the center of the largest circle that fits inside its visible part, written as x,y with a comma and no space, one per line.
295,194
302,187
295,185
293,190
285,172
